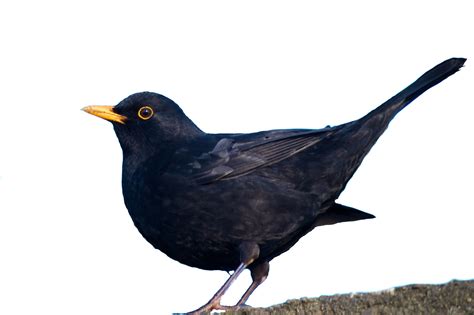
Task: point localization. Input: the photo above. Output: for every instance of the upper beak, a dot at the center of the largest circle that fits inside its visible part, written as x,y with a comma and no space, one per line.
105,112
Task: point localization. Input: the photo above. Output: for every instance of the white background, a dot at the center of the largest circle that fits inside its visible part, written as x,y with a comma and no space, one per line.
67,244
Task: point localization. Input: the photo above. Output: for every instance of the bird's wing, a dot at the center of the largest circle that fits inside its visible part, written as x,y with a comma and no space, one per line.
236,156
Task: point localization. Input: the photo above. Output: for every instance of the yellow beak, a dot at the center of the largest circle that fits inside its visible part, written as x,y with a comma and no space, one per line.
105,112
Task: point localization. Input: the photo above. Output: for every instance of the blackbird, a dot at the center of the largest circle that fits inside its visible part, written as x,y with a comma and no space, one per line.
236,201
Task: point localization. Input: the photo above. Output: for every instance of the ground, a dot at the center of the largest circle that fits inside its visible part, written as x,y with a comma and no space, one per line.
455,297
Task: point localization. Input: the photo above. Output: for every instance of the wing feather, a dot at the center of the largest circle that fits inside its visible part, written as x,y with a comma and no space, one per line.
231,158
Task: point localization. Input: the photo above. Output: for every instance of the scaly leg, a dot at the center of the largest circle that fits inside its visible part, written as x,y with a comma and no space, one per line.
259,274
249,252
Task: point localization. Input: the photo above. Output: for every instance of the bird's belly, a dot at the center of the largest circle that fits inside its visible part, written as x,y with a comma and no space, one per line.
196,241
203,226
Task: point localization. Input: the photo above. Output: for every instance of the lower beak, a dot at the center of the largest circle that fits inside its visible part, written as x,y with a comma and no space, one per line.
105,112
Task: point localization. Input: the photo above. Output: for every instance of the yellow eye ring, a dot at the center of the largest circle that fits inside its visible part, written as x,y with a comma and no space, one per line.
145,112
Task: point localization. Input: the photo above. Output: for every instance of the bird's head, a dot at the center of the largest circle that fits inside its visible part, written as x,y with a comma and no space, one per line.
144,121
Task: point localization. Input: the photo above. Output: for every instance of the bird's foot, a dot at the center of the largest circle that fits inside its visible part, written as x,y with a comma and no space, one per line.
208,308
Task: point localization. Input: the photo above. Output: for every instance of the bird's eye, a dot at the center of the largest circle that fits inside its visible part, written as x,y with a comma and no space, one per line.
145,112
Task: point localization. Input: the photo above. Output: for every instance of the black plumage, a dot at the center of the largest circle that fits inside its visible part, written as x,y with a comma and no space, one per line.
236,201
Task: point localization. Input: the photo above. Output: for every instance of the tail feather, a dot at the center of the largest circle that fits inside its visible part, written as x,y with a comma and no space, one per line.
345,149
366,131
425,82
338,213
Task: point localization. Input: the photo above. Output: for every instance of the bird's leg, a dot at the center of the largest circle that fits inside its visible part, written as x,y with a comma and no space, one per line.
259,274
249,252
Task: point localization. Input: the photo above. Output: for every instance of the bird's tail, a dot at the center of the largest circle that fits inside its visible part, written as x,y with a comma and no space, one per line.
434,76
349,144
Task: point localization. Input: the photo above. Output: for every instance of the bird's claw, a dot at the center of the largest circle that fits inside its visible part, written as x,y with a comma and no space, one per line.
208,308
